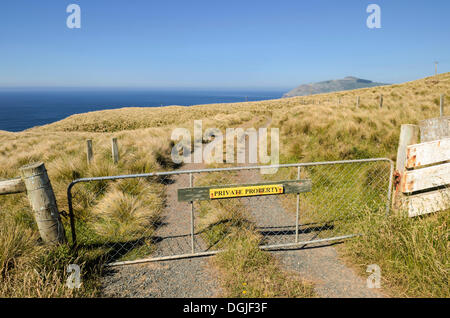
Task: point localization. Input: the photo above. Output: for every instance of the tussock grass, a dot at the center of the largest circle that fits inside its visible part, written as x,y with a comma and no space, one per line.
123,214
17,245
312,128
106,212
411,252
28,269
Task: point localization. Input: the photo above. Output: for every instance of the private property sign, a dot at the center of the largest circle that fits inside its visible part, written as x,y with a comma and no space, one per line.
235,192
243,190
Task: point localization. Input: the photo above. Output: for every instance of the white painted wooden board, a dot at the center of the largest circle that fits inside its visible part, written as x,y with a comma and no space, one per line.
427,153
426,178
434,128
428,202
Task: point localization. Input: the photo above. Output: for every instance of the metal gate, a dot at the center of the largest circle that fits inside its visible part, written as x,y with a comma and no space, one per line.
139,218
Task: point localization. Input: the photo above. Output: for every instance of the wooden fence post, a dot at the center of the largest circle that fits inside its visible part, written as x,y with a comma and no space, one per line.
43,203
357,101
442,106
409,135
381,100
89,151
115,150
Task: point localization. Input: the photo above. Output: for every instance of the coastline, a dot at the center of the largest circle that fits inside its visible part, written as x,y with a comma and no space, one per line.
24,110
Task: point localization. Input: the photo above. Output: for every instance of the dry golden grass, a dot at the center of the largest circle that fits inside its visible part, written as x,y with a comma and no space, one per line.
127,212
129,207
28,269
311,128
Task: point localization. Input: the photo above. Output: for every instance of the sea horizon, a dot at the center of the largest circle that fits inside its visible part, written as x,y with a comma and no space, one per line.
22,108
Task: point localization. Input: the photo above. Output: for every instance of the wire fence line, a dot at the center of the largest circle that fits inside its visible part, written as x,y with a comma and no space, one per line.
137,218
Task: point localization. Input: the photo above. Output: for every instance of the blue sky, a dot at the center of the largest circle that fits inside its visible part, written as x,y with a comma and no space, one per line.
219,44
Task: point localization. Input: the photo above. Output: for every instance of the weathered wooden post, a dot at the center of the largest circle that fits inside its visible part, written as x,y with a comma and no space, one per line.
409,135
89,151
442,106
43,203
115,150
12,186
357,101
381,100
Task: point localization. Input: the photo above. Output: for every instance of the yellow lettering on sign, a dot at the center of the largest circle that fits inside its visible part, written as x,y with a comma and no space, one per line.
235,192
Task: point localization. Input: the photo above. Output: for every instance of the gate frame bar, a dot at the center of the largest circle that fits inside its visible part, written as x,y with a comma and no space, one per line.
191,172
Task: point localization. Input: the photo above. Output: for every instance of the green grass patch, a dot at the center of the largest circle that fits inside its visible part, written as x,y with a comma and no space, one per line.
411,252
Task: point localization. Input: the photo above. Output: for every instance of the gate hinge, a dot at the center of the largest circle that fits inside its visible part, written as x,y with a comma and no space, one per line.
64,214
397,178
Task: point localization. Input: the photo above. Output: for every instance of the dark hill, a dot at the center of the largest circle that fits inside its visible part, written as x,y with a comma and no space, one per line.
344,84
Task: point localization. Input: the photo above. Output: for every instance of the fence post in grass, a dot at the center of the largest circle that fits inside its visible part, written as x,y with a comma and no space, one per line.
381,100
441,108
89,151
115,150
43,203
357,101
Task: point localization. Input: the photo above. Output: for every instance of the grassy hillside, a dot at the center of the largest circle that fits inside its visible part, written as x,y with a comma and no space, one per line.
320,127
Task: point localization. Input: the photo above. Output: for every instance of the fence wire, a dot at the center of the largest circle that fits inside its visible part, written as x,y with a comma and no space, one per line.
138,217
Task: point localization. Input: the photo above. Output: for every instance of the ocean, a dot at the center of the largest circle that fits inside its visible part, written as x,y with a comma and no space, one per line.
25,108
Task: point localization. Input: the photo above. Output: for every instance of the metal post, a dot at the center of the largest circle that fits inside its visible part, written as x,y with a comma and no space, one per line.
71,215
298,209
441,108
191,184
389,195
